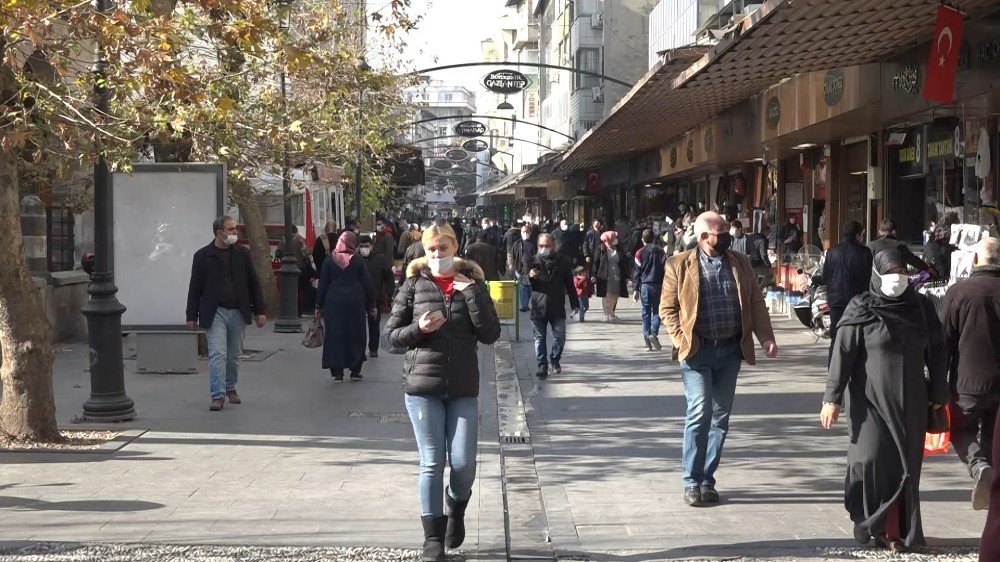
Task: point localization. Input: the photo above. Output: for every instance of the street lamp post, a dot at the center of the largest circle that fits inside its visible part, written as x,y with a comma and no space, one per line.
108,401
288,321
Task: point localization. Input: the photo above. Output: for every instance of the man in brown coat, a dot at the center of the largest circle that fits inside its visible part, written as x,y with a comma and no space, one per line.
711,307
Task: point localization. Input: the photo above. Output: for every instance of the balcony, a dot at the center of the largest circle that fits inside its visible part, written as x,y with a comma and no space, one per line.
526,36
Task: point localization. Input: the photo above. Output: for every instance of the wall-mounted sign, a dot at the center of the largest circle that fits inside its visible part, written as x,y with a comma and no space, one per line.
833,87
941,144
506,82
456,155
673,157
773,112
442,164
470,129
907,78
911,155
709,140
690,149
475,145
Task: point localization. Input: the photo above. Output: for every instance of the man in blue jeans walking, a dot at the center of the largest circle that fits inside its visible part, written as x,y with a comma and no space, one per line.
224,295
712,307
647,282
551,277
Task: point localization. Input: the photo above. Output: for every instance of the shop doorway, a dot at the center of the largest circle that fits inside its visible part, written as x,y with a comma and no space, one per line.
910,209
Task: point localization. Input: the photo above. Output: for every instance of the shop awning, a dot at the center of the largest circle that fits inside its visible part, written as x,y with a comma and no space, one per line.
781,39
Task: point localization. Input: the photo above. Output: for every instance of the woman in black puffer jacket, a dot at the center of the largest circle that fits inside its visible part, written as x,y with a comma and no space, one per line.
440,316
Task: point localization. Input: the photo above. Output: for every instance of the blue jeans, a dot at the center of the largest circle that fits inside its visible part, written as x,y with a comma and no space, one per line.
225,345
444,426
558,339
649,296
584,307
524,291
709,387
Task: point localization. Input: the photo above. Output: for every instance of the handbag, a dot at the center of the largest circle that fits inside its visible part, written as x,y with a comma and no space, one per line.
315,333
938,436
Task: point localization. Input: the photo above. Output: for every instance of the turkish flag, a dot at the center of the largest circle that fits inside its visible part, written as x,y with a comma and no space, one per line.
943,62
594,181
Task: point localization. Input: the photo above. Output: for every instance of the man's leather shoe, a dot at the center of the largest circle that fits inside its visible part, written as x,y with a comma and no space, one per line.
217,404
233,397
708,494
692,496
543,371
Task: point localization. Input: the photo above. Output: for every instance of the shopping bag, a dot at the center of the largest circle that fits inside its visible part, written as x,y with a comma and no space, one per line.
940,439
314,335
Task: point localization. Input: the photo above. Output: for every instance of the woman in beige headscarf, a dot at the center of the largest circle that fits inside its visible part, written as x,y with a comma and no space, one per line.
325,243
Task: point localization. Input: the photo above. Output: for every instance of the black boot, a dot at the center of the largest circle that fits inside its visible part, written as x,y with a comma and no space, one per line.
455,535
434,531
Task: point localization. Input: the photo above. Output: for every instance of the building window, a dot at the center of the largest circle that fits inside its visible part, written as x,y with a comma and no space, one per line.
447,97
589,60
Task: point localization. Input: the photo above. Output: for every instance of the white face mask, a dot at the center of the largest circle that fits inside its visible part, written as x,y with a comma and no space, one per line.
441,264
564,226
893,285
365,252
525,236
544,251
230,239
732,232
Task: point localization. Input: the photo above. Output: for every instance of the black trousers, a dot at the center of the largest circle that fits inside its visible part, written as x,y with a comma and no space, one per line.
835,315
373,330
973,418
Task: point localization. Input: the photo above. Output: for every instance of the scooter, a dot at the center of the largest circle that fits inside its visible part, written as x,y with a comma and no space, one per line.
813,310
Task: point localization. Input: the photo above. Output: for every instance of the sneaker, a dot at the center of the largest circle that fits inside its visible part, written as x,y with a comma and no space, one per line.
356,376
556,367
543,371
614,317
655,341
233,397
581,319
217,404
338,377
981,490
649,347
607,318
373,354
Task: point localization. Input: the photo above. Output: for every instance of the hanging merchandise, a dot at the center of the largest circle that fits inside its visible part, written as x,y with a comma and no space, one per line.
983,155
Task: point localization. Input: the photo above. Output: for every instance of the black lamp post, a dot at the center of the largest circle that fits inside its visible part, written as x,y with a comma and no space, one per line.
108,401
363,67
288,321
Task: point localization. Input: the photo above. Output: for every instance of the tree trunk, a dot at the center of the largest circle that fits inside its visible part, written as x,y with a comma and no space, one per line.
260,249
28,408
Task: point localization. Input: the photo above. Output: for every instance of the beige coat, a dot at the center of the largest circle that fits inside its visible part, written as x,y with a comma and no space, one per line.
679,304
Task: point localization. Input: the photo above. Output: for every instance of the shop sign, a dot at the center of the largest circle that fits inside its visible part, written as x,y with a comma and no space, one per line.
505,82
988,51
456,155
833,87
690,149
773,112
907,78
475,145
442,165
673,157
940,145
470,129
911,156
709,140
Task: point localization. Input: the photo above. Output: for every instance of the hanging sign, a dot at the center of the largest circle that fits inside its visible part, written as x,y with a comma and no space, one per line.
773,112
456,155
470,129
505,82
475,145
442,164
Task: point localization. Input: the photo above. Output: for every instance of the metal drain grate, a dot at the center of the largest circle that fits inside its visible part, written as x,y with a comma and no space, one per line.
514,439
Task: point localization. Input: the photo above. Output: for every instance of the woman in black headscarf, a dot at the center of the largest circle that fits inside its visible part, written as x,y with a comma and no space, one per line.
884,340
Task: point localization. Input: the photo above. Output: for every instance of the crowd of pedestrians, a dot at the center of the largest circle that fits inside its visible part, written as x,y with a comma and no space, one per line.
895,360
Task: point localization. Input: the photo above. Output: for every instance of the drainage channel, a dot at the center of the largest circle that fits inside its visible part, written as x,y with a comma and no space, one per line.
526,528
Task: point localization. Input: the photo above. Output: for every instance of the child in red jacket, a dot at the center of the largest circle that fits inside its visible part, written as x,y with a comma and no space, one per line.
584,289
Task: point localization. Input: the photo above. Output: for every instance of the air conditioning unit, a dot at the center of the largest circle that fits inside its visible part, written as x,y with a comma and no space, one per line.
596,21
598,94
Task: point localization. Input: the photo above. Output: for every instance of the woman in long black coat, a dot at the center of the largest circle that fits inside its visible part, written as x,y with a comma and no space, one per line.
344,296
610,273
884,340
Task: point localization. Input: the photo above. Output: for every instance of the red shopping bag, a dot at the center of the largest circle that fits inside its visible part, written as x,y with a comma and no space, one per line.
937,440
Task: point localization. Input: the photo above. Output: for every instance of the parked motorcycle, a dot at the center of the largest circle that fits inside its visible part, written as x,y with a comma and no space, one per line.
814,310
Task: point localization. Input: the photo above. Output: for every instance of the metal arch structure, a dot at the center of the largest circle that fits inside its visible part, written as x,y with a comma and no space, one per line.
515,121
530,64
442,137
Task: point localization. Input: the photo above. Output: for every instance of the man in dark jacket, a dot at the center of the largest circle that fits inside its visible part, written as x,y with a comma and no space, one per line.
485,255
970,319
224,295
591,242
524,256
510,238
551,278
790,236
647,281
380,272
847,272
887,241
